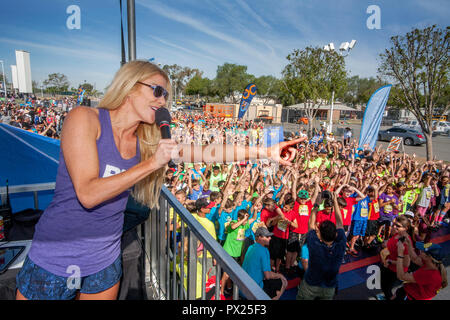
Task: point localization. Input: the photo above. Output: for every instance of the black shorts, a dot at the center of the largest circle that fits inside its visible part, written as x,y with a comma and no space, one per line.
271,287
372,228
385,223
277,248
293,243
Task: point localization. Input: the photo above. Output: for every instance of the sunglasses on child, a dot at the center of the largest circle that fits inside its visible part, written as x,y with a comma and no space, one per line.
158,91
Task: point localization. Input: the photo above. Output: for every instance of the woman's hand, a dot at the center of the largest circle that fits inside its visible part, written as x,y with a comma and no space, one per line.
284,152
400,248
167,149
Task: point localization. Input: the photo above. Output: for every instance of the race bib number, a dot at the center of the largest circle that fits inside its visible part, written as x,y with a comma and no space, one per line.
364,212
428,195
303,210
227,223
388,208
241,235
282,225
376,207
257,224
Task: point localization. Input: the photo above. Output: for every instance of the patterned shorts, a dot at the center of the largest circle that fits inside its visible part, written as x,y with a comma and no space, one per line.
36,283
358,227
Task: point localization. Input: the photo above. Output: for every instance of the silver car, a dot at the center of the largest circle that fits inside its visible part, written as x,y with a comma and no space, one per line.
410,137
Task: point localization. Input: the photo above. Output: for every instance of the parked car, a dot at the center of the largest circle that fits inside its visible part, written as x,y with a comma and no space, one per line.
411,124
441,127
410,136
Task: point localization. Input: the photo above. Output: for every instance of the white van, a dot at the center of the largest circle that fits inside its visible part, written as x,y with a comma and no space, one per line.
411,124
441,127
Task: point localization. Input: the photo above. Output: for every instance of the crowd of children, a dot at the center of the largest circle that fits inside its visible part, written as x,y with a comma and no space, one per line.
373,188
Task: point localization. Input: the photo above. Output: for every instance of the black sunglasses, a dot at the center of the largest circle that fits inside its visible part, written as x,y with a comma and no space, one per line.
158,91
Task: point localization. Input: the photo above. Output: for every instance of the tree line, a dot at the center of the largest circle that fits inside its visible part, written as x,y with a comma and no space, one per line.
416,64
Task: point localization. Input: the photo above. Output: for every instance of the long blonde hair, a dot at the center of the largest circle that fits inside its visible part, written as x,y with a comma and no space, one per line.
147,190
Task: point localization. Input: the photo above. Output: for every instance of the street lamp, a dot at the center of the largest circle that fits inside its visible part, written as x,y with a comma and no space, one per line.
4,81
344,50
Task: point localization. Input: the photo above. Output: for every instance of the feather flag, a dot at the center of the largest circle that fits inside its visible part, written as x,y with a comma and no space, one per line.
247,96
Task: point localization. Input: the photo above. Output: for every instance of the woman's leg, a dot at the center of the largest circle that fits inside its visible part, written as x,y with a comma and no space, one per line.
387,280
108,294
20,296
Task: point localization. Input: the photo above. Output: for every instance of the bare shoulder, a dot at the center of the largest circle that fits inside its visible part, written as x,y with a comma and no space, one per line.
82,111
82,119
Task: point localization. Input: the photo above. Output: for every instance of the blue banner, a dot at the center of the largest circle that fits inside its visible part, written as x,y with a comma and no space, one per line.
372,117
81,92
247,96
272,136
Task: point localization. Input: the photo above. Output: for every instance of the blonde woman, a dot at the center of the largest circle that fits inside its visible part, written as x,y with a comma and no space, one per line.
75,253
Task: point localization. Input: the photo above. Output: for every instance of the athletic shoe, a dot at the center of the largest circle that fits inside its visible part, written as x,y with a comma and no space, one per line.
380,296
380,239
228,292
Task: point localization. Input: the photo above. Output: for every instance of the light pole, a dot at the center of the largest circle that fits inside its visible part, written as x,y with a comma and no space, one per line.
4,81
344,51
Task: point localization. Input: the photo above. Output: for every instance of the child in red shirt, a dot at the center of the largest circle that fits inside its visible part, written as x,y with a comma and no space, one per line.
347,191
278,243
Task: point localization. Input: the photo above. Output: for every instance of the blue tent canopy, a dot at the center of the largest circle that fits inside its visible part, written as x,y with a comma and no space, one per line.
27,158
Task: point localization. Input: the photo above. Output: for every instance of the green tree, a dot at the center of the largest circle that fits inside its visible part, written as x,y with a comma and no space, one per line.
311,76
418,66
89,88
198,86
180,76
269,88
231,79
56,82
359,90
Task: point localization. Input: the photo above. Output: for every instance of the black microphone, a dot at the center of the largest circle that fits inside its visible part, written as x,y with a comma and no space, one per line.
163,120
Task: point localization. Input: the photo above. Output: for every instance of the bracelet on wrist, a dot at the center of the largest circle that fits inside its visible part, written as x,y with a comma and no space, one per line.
400,256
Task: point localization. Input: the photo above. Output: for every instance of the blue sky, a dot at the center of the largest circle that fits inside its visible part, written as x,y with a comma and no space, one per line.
203,34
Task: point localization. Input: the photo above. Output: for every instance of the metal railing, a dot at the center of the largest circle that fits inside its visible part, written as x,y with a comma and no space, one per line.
172,258
24,188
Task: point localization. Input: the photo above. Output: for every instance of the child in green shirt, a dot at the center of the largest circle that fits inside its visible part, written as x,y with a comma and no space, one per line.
235,239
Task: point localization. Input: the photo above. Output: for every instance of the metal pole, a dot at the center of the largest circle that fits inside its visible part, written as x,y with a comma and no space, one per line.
4,81
131,20
330,126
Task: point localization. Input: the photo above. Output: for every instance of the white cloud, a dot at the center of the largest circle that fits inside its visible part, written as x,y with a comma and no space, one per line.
192,52
253,14
63,51
251,51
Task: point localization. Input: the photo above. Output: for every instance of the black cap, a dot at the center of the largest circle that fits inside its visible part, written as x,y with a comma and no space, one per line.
201,203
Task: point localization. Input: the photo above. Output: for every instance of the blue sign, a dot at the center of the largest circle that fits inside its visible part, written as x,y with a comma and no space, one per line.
372,117
272,136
